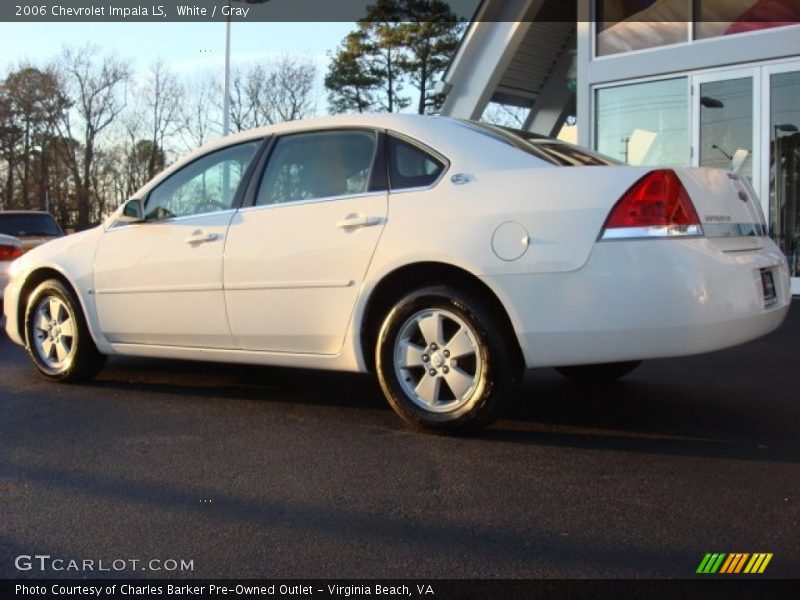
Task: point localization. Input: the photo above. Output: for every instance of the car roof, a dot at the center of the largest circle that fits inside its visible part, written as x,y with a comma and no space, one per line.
25,212
424,128
376,120
407,123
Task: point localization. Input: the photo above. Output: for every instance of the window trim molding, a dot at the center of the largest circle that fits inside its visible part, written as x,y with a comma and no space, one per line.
238,196
278,205
251,194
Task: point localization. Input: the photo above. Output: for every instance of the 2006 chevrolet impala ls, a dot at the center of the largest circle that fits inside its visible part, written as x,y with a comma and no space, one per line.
445,256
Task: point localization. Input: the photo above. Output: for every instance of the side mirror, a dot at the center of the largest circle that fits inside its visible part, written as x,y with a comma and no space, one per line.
132,211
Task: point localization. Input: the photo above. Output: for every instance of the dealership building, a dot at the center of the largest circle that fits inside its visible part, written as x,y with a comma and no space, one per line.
650,82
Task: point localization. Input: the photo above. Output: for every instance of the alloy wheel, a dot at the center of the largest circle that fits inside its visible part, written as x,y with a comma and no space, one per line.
438,360
54,333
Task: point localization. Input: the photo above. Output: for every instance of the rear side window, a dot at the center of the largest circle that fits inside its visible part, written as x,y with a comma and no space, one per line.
410,166
554,152
22,224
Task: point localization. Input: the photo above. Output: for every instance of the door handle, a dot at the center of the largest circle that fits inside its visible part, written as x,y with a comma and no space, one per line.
198,237
354,221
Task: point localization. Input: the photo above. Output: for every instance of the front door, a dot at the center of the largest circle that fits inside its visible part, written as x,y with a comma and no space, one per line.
160,282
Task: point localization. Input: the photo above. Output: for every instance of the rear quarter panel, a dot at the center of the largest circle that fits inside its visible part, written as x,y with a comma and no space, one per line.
562,209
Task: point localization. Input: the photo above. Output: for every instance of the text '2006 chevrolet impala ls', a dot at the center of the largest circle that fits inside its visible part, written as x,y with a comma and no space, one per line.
445,256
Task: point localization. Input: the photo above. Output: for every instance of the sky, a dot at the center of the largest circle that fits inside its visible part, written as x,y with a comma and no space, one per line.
184,47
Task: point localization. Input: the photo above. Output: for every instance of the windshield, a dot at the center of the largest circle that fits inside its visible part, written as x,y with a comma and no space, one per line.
27,225
547,149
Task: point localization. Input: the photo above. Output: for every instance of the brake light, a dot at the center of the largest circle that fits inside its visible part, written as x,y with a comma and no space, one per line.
10,252
655,206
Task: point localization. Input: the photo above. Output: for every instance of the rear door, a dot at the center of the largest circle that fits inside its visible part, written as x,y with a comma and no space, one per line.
296,257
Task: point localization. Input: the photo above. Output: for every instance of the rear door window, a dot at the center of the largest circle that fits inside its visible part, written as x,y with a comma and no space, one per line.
324,164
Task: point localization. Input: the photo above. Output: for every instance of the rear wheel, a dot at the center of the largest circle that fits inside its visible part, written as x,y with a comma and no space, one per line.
443,363
601,373
56,336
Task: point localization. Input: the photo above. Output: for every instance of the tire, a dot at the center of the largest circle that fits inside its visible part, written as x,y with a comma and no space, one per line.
601,373
443,363
56,336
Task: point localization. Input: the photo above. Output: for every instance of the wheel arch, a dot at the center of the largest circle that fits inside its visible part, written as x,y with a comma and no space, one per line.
404,280
32,281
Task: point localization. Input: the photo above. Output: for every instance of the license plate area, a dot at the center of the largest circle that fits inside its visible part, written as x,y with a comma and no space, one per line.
768,288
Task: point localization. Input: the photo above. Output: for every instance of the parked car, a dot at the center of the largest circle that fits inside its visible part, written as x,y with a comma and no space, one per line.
10,249
445,256
32,227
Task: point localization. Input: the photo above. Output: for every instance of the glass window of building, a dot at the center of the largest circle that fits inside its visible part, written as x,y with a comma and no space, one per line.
644,123
715,18
726,125
625,25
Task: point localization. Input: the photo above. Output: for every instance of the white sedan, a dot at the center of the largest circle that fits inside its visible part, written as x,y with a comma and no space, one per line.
445,256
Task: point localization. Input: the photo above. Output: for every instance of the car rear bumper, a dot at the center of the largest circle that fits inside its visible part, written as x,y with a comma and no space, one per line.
10,301
645,299
3,282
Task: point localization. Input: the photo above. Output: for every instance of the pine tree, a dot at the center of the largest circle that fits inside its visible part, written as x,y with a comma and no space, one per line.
398,42
429,35
350,83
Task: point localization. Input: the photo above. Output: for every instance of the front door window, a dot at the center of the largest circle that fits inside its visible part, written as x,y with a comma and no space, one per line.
207,185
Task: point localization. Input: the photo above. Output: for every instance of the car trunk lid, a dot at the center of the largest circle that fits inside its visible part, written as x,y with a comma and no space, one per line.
728,208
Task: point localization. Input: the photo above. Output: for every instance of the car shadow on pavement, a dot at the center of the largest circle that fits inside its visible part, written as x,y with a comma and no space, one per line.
655,415
645,415
241,382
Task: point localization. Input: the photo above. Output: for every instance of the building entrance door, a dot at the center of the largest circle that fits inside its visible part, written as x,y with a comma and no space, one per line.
781,85
748,121
725,130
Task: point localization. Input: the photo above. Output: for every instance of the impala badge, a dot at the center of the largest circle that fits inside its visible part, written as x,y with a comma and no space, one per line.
461,178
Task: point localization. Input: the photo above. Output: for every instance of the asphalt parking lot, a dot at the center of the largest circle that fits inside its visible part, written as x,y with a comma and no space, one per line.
263,472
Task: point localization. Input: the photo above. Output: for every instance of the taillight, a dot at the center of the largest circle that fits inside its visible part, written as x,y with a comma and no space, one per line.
10,252
655,206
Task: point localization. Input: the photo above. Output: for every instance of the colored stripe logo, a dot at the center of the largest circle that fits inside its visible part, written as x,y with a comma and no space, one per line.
734,563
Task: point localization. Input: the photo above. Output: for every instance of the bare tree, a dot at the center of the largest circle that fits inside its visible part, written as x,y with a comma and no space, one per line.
10,137
241,101
505,115
31,101
162,94
133,167
284,91
94,83
200,110
290,90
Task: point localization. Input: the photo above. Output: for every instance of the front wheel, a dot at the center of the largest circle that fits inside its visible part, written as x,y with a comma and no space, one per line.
443,363
601,373
56,336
